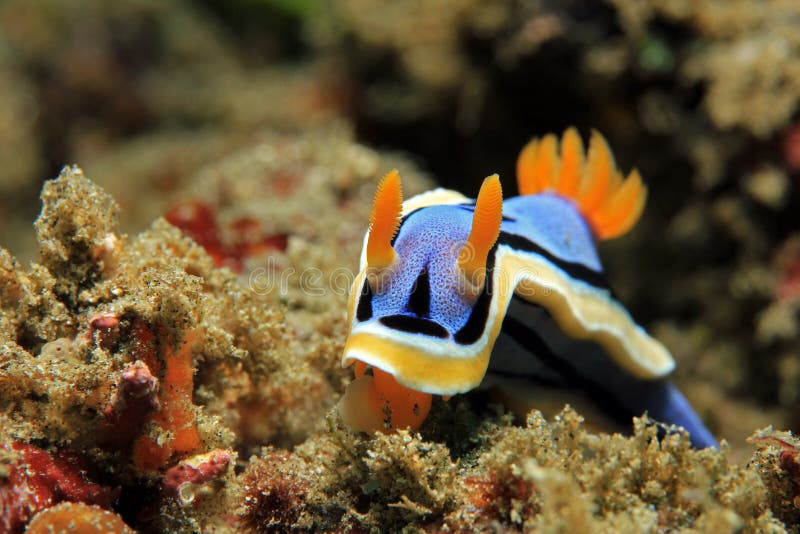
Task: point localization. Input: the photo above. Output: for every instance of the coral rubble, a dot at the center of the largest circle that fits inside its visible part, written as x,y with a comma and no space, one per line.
546,476
157,369
149,362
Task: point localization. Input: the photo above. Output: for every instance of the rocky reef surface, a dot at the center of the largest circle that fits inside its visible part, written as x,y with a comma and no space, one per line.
143,375
171,324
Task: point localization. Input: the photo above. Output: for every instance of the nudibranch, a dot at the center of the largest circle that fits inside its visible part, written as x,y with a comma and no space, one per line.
452,291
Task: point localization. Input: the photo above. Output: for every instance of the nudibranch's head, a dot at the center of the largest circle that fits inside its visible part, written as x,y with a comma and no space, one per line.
419,305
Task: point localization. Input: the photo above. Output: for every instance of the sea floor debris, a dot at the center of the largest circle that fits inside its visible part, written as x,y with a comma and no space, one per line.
163,375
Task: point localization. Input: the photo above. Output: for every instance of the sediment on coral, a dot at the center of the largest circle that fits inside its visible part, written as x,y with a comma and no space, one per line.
173,380
150,358
106,341
551,476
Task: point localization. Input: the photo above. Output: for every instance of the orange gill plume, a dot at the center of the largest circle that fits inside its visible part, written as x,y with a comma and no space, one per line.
485,229
610,204
376,402
384,221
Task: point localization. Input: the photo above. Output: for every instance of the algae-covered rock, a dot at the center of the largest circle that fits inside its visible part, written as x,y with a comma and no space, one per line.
155,366
184,377
549,476
100,302
139,353
75,232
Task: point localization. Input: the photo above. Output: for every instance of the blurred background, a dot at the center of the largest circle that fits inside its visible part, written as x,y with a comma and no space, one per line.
701,96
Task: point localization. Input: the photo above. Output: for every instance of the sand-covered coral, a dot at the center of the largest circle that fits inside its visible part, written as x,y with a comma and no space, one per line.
183,374
549,476
192,326
143,354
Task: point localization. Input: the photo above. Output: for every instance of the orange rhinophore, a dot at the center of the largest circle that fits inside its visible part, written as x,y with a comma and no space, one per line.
483,234
384,221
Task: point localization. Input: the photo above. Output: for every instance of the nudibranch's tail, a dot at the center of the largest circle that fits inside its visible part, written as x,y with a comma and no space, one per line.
610,204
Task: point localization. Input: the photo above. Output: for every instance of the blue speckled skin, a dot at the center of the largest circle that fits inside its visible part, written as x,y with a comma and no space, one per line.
554,224
430,239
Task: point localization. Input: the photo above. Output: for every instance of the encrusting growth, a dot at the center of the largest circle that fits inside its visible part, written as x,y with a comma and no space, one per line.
175,416
610,203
